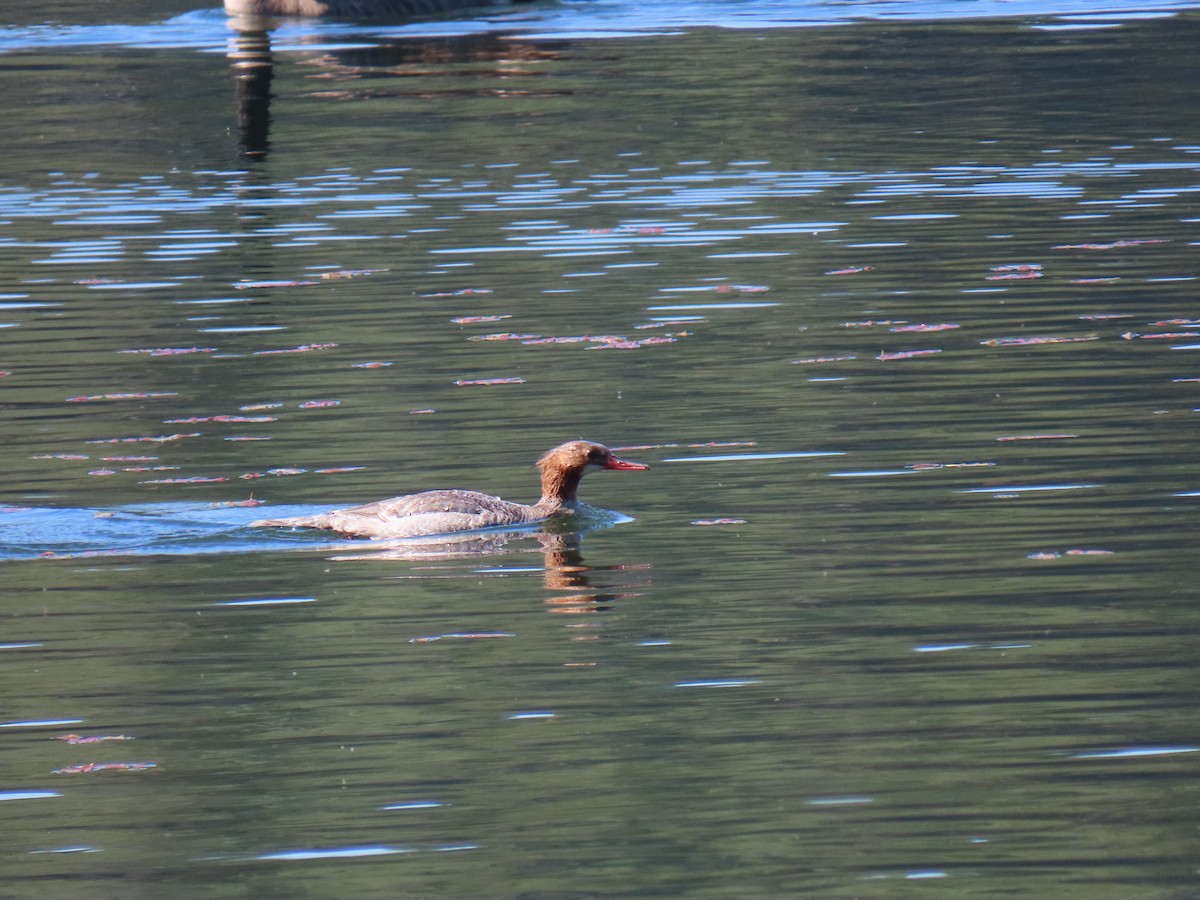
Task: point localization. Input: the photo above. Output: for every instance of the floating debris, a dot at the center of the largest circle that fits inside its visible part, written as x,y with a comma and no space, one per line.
1059,554
171,351
741,288
303,348
943,326
478,320
667,323
630,229
475,382
192,479
92,739
248,476
236,420
132,395
160,439
576,339
464,292
1112,245
1014,272
905,354
602,341
926,466
88,768
1037,437
349,273
505,336
1038,341
625,344
822,359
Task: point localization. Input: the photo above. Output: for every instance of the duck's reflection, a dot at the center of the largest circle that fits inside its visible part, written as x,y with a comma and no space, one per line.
348,9
565,575
253,70
492,57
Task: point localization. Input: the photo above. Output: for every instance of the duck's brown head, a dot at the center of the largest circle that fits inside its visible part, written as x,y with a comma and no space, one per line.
563,467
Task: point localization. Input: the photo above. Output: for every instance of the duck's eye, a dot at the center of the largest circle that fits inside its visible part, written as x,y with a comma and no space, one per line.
595,456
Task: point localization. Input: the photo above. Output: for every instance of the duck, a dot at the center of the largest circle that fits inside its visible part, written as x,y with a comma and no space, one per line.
455,511
347,9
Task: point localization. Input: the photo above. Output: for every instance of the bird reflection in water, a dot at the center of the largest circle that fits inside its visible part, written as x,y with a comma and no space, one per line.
492,60
565,575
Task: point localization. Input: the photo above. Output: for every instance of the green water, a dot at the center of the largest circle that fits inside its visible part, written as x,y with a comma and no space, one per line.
905,607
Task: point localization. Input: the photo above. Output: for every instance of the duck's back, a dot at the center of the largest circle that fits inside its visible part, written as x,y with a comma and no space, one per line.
414,515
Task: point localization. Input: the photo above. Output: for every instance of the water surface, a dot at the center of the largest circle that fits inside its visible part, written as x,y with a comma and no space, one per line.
900,310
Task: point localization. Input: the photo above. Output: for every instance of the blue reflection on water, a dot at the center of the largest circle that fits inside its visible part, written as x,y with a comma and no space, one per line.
28,795
208,30
30,532
194,528
360,851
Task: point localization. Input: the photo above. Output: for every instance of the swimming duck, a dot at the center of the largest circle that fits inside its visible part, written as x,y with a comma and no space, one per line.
452,511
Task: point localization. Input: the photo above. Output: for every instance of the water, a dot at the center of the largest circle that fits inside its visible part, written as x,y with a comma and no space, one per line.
900,310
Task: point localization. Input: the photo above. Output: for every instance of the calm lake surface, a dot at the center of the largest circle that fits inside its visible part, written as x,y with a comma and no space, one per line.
902,310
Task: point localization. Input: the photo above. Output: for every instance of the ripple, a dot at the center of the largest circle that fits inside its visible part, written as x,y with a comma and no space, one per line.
739,457
871,473
27,795
416,804
1029,488
1133,752
267,601
335,853
683,306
